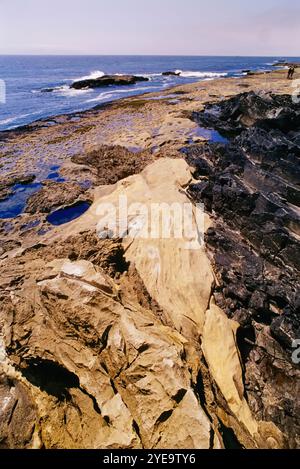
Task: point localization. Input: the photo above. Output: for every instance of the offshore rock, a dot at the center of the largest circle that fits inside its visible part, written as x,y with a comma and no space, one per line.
107,80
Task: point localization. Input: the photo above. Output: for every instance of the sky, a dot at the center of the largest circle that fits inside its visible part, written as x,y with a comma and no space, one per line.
158,27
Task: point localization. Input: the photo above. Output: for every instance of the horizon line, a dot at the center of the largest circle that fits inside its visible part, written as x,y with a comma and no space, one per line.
139,55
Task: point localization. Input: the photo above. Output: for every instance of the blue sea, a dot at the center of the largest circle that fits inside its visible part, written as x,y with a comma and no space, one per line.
26,77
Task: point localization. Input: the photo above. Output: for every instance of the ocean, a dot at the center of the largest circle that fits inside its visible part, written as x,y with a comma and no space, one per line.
25,78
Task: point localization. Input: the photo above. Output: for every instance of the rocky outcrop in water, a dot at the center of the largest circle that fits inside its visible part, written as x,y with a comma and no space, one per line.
174,74
252,187
107,80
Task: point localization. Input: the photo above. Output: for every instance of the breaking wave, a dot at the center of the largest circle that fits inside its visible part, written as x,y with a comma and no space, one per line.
91,76
70,92
191,74
117,93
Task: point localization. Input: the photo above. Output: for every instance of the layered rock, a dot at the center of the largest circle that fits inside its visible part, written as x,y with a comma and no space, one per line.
251,185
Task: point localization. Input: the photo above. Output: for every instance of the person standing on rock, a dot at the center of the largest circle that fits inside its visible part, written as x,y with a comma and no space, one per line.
291,72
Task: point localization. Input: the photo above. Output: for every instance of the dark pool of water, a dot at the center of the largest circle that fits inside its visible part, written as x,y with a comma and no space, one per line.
55,177
15,204
67,214
212,135
54,174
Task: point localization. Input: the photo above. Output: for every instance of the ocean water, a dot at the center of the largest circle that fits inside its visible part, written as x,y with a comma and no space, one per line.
26,76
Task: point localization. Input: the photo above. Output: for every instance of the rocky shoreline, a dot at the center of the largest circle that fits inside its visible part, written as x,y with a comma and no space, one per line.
99,348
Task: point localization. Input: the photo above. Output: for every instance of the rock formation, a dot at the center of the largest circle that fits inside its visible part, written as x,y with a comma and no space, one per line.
119,344
251,185
107,80
175,74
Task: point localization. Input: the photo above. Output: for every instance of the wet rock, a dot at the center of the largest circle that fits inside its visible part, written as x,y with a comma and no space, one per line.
47,90
5,193
18,179
107,80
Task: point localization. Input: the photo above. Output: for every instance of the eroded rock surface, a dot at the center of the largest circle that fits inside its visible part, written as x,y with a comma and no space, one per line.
109,164
252,187
104,336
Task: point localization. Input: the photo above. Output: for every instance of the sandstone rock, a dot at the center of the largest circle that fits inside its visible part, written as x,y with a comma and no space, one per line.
219,347
113,366
6,185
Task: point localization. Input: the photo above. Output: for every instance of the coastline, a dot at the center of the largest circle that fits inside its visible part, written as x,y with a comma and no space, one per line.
91,118
189,345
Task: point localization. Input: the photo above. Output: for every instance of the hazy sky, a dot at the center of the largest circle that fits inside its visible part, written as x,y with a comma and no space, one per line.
195,27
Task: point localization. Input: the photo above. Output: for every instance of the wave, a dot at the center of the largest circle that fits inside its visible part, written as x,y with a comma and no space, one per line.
68,92
91,76
15,118
115,94
100,97
191,74
148,75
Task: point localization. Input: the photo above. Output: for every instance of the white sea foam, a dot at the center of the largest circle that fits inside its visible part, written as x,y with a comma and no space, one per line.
68,92
190,74
100,97
91,76
148,75
15,118
116,93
